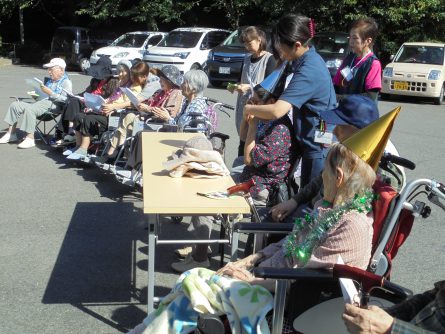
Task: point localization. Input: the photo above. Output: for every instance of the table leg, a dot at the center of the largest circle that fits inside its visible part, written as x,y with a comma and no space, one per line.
152,220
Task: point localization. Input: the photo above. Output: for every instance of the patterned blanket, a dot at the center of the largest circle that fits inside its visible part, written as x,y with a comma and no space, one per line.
201,291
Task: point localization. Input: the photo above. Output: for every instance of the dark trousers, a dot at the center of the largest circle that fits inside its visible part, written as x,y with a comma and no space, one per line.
91,124
70,113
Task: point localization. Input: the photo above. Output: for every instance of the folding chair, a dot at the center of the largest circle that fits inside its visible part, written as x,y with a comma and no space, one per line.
48,116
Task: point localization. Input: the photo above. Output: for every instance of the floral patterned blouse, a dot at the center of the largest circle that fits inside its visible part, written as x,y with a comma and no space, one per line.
272,156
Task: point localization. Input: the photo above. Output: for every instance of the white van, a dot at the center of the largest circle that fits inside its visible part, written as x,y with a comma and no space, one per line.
130,46
418,69
186,48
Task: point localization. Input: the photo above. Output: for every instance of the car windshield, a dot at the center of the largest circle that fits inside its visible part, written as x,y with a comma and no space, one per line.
420,54
181,39
130,40
233,40
63,40
331,43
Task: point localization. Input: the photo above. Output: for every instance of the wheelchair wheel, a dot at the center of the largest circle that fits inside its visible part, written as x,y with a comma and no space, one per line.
177,219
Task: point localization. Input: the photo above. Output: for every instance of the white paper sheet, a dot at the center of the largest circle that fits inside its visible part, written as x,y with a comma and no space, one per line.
348,288
132,96
93,101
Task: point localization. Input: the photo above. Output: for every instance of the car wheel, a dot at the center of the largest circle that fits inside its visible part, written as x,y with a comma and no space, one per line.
216,83
195,66
84,64
439,100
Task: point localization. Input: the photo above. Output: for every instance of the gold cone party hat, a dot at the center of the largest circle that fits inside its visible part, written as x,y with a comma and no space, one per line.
369,143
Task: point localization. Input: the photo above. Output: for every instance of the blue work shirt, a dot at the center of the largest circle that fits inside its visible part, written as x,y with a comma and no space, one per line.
310,91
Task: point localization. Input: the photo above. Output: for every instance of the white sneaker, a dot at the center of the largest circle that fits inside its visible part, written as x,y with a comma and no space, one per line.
8,138
69,151
27,143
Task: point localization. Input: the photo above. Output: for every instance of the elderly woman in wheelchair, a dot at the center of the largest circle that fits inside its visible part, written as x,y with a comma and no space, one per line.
163,104
193,117
340,225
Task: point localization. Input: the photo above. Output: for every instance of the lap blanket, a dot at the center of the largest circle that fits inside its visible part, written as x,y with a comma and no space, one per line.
201,291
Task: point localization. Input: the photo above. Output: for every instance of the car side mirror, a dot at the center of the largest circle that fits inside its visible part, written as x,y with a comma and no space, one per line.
204,46
391,57
149,46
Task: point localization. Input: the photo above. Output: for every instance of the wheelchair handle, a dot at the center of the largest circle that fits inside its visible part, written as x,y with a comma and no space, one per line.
388,157
241,187
369,280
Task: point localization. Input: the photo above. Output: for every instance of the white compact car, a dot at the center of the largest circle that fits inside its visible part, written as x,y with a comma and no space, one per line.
418,69
130,46
186,48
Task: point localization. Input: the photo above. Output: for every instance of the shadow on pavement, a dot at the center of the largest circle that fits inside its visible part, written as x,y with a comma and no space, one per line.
96,262
105,182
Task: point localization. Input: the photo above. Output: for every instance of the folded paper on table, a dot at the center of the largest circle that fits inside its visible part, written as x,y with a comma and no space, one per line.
94,102
215,194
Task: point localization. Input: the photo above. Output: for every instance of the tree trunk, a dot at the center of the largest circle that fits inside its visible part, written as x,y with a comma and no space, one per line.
22,32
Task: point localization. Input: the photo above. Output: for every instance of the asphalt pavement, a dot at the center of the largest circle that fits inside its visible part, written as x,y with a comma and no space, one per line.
73,244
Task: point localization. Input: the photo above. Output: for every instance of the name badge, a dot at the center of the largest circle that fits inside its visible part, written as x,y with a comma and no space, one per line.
347,73
323,137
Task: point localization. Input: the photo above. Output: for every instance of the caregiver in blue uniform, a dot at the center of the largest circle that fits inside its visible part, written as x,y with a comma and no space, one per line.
309,92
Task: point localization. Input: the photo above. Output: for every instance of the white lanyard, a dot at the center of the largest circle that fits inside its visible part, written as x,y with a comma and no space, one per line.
360,61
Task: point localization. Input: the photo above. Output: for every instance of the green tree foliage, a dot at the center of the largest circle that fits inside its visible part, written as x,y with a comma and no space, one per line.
234,9
151,12
8,7
399,20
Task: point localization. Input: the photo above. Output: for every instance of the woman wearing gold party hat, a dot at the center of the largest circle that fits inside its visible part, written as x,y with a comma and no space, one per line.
341,223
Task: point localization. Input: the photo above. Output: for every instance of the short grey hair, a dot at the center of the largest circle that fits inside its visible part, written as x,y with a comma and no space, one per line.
196,80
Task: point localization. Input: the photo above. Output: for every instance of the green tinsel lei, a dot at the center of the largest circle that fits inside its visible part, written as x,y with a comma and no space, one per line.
320,226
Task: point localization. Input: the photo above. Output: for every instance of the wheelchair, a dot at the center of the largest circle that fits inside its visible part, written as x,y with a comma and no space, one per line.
394,214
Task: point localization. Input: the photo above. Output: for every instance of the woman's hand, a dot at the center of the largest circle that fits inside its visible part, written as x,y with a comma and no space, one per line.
46,90
242,88
143,107
282,210
246,264
237,273
107,108
252,120
161,113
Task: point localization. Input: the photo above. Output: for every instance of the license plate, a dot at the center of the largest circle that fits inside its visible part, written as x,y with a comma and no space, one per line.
400,85
224,70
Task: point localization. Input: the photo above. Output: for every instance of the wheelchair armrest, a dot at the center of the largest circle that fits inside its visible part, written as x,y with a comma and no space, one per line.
220,135
263,227
294,273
